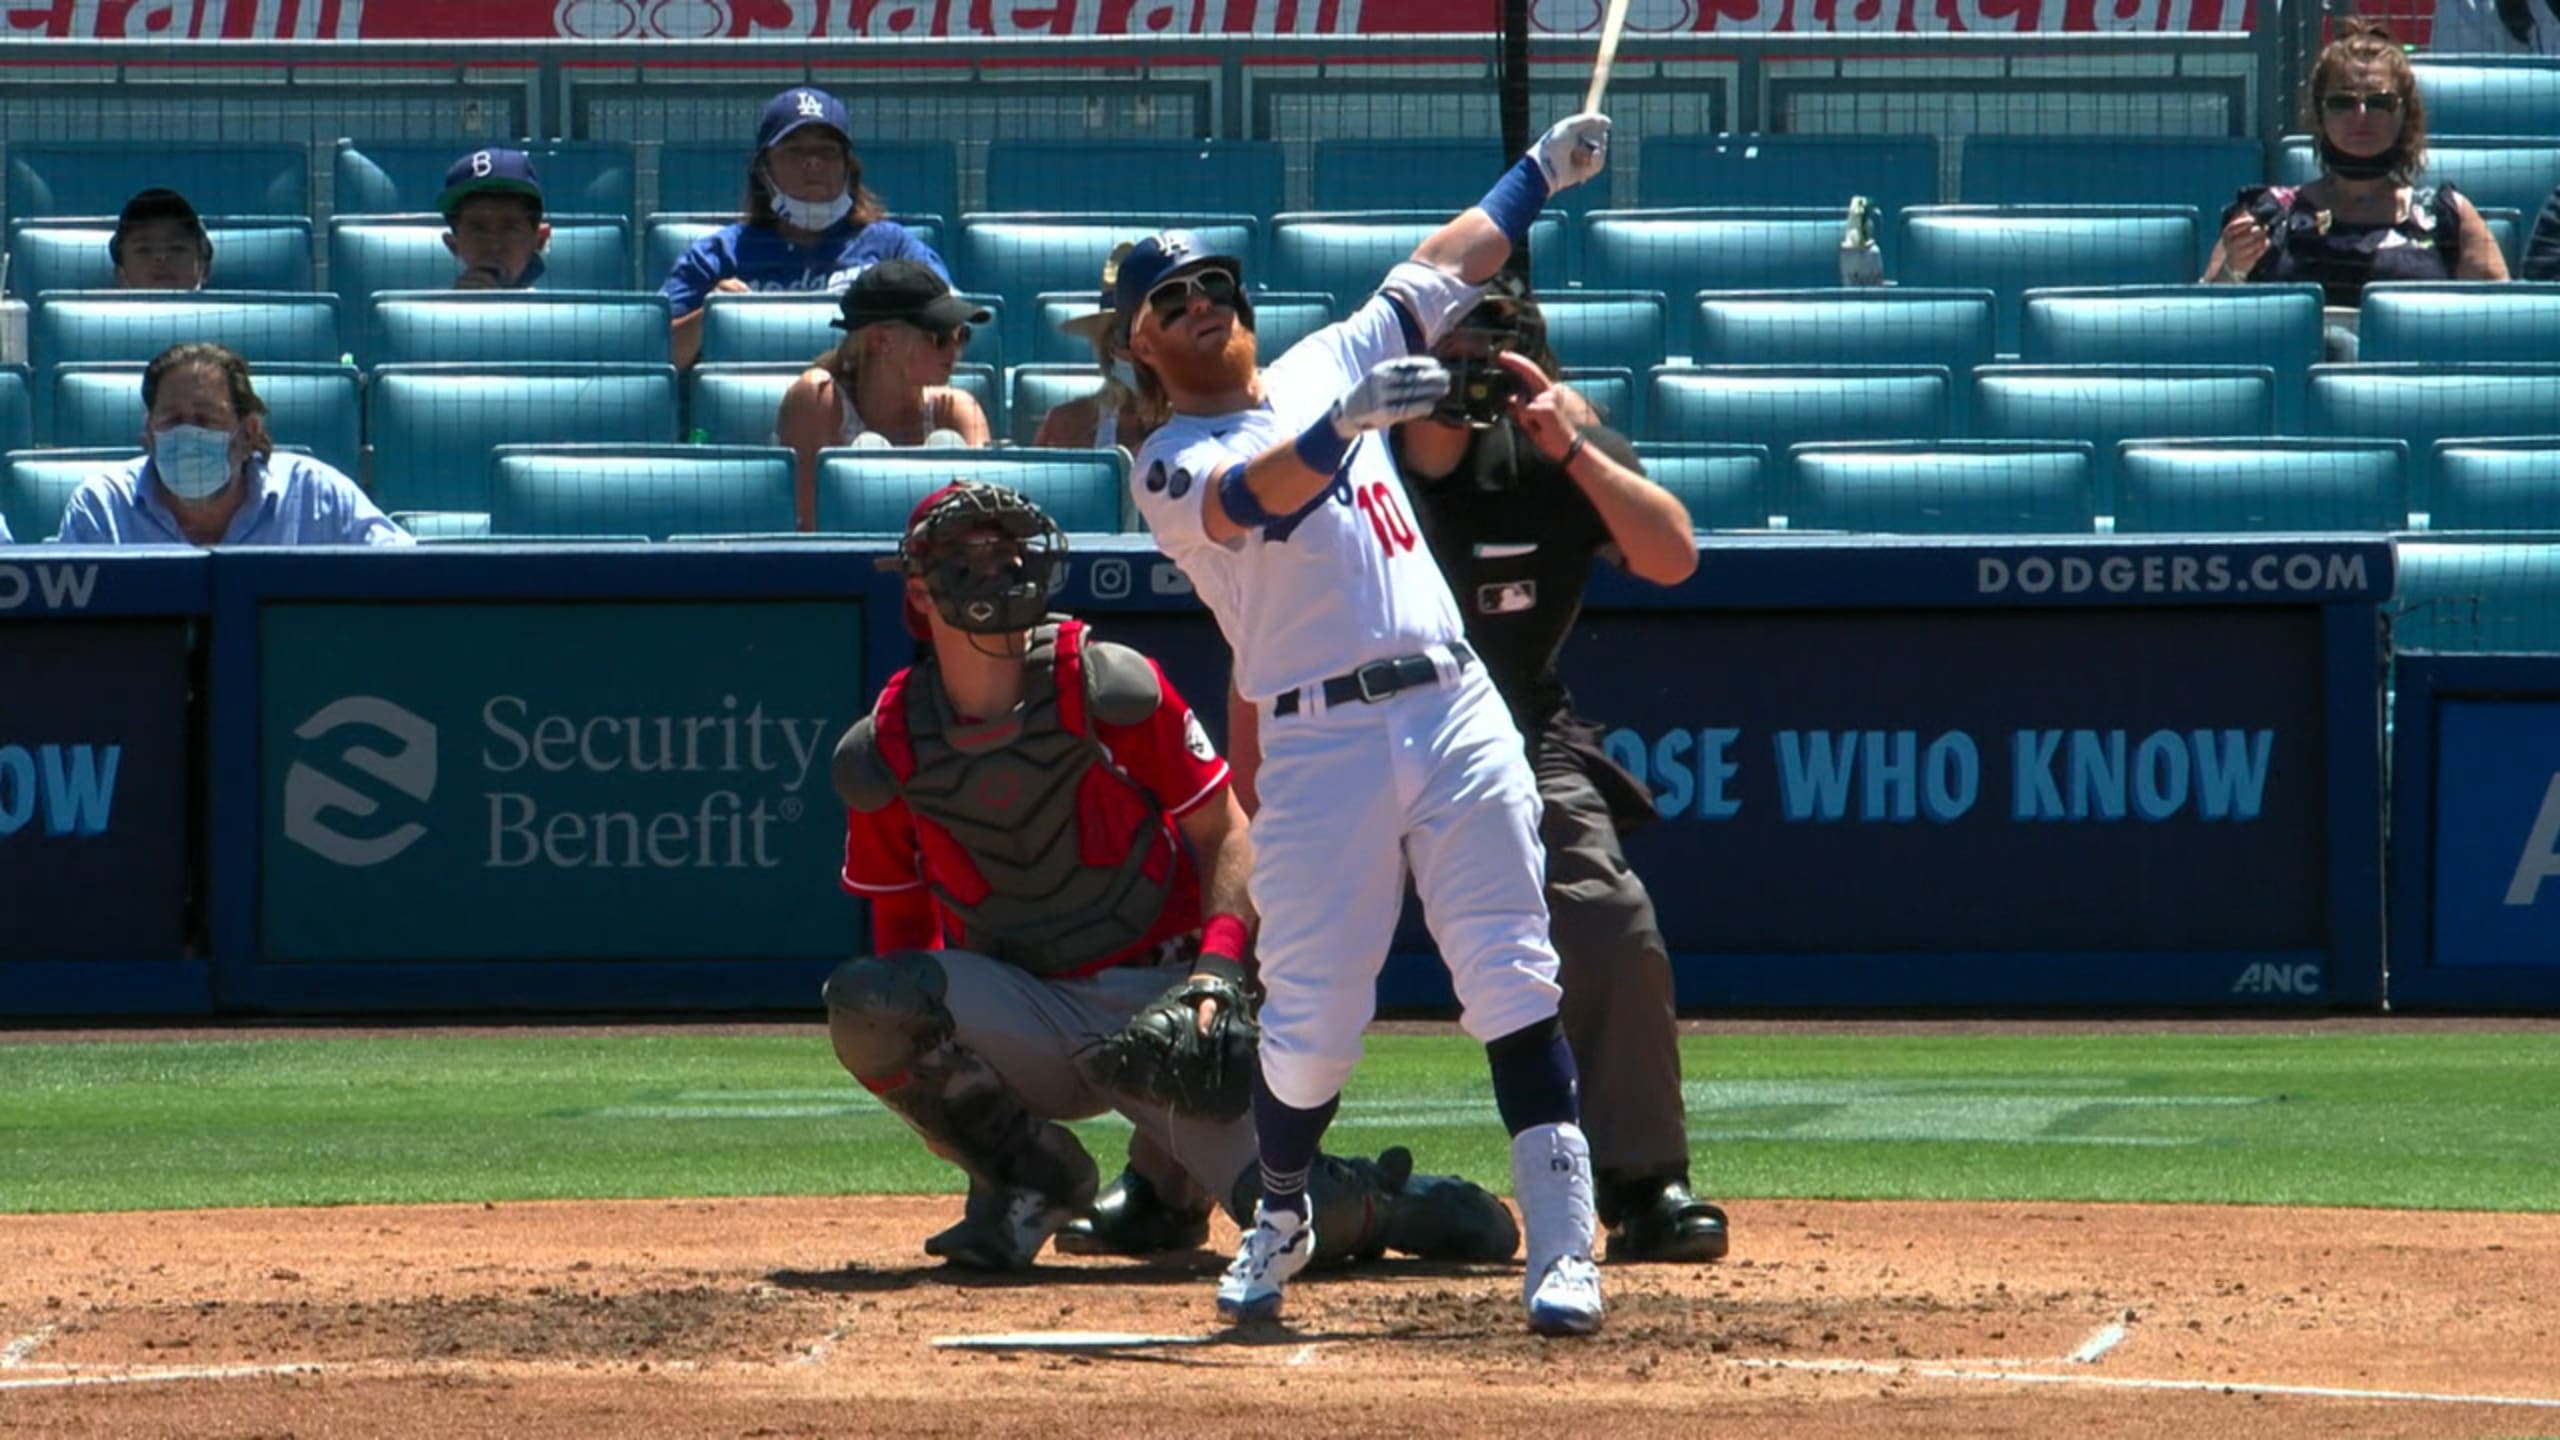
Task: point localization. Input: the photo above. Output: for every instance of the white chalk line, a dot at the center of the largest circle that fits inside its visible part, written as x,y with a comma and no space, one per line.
15,1353
2123,1382
159,1377
1302,1355
2100,1341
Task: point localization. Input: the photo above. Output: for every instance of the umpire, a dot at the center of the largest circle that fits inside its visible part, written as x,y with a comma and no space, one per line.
1517,486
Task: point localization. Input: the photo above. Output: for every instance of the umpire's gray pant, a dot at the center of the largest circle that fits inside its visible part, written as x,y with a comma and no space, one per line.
1031,1031
1617,1008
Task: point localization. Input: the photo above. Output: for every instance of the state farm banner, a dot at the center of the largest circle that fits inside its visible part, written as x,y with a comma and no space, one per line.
683,20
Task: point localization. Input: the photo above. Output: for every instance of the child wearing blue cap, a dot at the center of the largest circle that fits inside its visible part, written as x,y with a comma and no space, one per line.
809,224
492,204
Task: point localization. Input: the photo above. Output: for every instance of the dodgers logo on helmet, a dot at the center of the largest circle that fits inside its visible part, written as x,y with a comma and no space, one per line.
811,105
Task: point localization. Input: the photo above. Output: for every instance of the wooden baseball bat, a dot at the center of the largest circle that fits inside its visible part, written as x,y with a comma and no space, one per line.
1612,25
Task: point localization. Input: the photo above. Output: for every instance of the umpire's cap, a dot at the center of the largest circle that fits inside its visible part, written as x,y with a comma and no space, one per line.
1159,258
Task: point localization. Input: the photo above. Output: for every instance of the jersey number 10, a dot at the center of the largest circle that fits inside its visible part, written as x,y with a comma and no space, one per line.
1386,517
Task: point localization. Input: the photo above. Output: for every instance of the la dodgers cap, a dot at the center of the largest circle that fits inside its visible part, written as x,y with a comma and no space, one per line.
489,172
1158,258
791,109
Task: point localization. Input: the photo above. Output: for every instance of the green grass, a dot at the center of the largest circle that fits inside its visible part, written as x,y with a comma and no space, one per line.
2427,1121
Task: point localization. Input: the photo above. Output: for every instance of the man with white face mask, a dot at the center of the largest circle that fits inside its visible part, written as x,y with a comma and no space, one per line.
809,223
208,474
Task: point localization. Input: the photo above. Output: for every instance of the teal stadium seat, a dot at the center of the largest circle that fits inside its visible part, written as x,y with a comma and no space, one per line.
36,484
1955,487
2103,404
1226,177
316,407
771,328
2207,172
652,490
2422,404
2292,485
1856,326
1782,405
1677,253
1420,174
1620,329
1280,319
1039,389
737,404
72,327
2277,326
17,408
95,177
544,327
666,236
1816,172
871,492
2457,322
2010,250
1611,389
433,526
429,428
911,177
388,177
2478,595
2490,94
1726,487
1020,256
2497,172
1347,254
2510,483
375,253
72,255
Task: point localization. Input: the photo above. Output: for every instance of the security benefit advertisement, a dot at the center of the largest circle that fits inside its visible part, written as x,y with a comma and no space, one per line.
2497,855
93,790
555,781
1971,781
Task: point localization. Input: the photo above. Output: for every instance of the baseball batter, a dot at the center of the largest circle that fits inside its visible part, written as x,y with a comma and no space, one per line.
1054,859
1385,747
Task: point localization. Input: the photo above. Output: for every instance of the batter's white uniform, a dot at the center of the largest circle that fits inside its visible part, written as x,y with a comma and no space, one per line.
1433,778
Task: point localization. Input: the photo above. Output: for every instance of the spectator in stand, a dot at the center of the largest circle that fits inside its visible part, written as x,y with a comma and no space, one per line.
809,223
2361,220
208,474
2495,27
1117,414
888,382
492,204
160,244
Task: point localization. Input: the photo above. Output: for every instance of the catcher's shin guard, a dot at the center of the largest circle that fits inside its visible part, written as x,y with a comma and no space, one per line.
891,1029
1364,1208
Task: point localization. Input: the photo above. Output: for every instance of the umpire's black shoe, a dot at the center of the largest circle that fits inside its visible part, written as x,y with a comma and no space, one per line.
1130,1218
1665,1223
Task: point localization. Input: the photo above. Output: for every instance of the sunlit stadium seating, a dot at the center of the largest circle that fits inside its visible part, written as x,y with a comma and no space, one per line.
2261,485
654,490
2422,404
267,254
36,484
95,177
2489,94
2206,172
2277,326
2010,250
1677,253
316,407
2496,172
419,327
1782,405
1726,487
2454,322
1859,326
2498,484
17,408
1225,177
2103,404
77,326
1954,487
1427,174
1818,172
429,428
871,492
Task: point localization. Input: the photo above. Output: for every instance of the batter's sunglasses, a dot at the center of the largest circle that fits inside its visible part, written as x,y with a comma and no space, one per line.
2380,102
1170,299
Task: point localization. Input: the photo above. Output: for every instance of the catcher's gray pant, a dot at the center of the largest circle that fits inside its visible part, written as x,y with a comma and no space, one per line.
1617,1007
1031,1031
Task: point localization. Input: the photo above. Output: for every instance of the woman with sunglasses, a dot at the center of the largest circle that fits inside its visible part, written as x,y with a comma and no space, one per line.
888,381
2362,220
1116,414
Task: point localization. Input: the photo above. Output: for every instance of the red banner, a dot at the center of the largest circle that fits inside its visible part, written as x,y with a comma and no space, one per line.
680,20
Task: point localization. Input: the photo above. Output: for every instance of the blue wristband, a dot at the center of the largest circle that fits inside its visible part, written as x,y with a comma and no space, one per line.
1242,505
1322,447
1515,199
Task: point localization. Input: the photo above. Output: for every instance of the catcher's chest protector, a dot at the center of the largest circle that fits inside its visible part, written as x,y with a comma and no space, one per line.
1008,792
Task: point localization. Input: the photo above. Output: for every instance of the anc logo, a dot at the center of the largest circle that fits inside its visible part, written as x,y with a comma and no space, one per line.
316,801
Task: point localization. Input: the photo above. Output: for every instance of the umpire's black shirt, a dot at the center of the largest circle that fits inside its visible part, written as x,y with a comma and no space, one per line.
1516,536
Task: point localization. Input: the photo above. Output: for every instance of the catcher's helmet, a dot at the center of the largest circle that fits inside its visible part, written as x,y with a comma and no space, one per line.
989,558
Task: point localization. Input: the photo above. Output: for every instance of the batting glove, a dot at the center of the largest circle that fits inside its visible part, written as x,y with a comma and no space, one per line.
1572,150
1395,391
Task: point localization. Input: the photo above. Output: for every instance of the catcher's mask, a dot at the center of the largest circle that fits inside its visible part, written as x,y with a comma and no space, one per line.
988,558
1480,390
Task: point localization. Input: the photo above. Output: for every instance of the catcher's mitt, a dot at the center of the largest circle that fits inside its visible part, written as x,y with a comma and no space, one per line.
1161,1058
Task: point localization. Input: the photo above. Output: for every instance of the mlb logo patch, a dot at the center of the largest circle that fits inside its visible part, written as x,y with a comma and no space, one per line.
1506,597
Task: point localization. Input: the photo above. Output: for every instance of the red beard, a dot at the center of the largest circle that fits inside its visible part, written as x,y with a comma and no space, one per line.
1187,370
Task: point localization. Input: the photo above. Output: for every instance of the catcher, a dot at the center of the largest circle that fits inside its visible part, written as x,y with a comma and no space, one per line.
1056,871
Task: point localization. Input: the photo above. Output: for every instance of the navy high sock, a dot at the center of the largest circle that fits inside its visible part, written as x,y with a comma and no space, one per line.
1534,1082
1288,1137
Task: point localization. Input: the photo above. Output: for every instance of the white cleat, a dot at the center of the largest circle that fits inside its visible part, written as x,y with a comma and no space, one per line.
1567,1299
1276,1248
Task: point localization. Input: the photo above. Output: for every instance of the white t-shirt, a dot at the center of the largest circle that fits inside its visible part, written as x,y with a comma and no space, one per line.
2472,27
1347,579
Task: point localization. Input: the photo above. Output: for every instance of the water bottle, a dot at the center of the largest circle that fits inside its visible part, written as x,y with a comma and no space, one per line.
1861,263
698,436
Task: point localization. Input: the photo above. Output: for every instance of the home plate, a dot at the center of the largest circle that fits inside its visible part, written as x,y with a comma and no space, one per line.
1066,1340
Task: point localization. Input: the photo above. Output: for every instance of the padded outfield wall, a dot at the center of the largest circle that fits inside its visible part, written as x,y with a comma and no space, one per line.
2094,774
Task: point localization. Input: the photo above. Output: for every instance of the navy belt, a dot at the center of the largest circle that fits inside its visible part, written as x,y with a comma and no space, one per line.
1378,679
